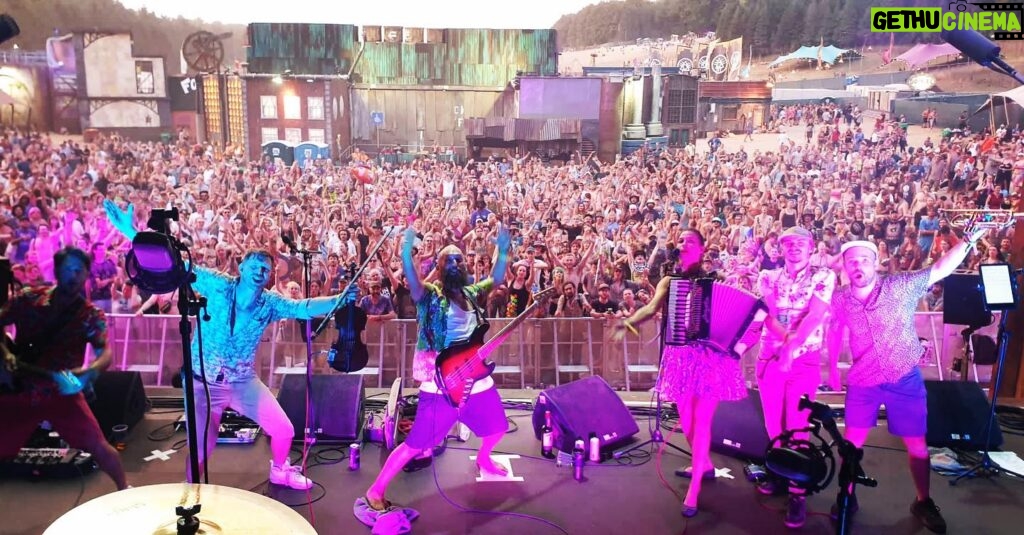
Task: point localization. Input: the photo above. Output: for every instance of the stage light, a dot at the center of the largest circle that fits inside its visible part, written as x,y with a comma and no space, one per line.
154,262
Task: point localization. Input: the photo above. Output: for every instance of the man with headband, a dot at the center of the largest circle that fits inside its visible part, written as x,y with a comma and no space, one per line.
878,312
446,313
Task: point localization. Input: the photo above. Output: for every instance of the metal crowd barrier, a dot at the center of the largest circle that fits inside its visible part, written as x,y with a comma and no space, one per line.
540,353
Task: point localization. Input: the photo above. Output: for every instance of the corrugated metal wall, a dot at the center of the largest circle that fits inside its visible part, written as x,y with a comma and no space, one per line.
465,57
434,111
302,48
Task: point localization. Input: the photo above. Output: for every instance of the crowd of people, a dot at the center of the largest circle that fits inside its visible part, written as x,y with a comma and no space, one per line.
580,226
807,228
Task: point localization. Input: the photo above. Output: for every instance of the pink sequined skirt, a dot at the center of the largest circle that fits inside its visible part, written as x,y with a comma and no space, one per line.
697,370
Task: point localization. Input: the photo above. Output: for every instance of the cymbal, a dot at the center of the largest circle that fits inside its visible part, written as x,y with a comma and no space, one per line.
151,510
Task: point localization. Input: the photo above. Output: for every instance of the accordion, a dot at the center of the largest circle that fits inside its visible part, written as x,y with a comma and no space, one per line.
707,311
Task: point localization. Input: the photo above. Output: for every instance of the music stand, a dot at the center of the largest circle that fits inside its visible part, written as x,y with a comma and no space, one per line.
963,305
999,288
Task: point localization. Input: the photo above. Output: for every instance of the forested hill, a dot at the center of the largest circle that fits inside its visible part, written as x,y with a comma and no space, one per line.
153,35
769,26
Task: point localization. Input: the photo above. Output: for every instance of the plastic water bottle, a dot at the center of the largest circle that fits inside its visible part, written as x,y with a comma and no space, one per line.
578,459
595,448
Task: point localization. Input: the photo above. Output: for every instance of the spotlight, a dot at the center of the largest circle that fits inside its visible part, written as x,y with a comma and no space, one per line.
154,263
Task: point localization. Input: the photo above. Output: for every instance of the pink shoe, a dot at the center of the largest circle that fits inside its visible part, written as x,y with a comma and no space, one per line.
289,476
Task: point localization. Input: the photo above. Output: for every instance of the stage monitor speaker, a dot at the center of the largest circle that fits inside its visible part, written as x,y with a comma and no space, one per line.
337,406
738,429
120,399
583,407
963,302
958,412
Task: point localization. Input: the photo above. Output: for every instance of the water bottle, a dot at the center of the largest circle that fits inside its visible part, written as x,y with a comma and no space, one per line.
595,448
547,441
578,459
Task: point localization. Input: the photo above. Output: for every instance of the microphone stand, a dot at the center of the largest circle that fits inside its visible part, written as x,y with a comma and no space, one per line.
308,437
986,467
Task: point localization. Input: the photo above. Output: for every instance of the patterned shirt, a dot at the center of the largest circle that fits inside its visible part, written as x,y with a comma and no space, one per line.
883,338
230,338
789,298
30,311
431,320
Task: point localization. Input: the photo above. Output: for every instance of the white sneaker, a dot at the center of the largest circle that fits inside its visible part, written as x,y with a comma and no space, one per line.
289,476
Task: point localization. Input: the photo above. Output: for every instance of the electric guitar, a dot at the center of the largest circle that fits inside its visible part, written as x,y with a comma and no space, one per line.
12,369
462,364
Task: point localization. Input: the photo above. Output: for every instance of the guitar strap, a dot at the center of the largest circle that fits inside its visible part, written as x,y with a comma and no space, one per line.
480,316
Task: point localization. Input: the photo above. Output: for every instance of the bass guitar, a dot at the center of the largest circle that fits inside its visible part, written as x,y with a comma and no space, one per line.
12,369
462,364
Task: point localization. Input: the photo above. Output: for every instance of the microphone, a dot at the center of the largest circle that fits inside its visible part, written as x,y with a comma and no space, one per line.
980,49
973,45
289,242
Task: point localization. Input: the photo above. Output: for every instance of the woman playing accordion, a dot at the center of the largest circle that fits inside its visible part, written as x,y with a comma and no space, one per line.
694,374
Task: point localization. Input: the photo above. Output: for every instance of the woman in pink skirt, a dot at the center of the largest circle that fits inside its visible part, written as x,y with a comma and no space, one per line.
694,376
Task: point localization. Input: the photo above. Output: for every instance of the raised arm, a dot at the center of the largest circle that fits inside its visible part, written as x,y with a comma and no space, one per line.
412,275
946,264
501,252
121,220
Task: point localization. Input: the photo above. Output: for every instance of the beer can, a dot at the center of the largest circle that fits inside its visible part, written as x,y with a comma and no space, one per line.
353,457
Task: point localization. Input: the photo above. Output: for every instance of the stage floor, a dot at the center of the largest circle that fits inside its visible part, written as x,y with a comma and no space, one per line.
614,498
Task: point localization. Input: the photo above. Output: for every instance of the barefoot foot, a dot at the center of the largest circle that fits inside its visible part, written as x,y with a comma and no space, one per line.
489,467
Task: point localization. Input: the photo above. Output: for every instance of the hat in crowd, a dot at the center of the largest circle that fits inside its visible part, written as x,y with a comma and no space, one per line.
796,232
603,286
858,243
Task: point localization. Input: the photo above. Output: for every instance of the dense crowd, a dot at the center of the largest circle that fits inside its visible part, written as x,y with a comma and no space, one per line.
599,232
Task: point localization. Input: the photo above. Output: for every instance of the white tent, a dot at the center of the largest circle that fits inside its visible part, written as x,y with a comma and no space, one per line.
1015,95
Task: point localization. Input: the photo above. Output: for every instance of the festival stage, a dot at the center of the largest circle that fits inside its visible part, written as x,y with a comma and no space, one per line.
626,496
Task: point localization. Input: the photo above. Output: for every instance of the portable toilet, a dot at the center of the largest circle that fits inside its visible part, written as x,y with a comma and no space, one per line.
310,151
279,149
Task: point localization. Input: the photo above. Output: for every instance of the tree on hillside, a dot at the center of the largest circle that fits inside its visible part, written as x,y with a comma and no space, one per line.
789,30
760,40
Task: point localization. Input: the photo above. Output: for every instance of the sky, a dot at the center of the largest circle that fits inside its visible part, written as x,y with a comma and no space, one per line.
415,13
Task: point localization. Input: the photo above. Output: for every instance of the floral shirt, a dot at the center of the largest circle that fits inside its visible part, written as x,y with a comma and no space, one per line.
789,298
431,319
30,312
883,337
229,338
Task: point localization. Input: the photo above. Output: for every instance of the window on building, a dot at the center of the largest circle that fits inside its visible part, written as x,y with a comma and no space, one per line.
145,82
681,101
292,107
730,113
316,135
688,112
293,135
315,108
268,134
268,107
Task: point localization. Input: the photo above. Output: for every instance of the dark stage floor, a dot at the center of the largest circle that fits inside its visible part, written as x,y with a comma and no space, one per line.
615,499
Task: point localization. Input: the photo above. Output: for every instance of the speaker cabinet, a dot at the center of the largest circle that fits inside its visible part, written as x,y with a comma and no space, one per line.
738,429
336,414
583,407
958,412
120,399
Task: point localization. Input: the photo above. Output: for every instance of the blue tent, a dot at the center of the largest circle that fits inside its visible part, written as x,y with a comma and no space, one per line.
829,54
307,150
